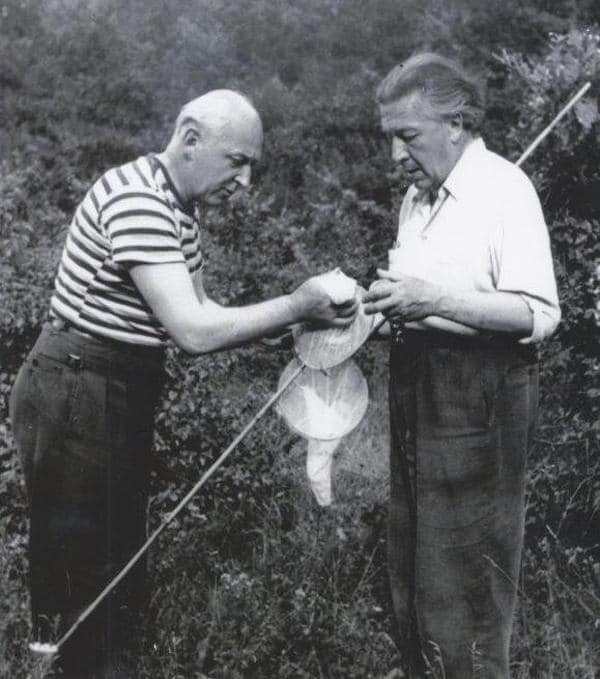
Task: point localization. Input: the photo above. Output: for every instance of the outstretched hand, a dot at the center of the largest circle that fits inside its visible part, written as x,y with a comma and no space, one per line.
314,305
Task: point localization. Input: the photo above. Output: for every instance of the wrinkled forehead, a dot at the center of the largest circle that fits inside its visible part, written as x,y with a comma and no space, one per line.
404,112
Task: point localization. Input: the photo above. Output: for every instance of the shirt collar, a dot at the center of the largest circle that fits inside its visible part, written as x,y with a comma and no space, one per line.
464,174
158,166
461,177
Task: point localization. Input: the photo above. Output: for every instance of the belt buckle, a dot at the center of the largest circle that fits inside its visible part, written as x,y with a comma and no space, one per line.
397,332
74,361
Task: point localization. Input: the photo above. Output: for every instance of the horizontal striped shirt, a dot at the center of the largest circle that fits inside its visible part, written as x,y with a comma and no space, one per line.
131,215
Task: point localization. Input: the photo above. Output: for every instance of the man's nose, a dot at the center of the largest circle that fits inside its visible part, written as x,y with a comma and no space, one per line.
244,176
399,152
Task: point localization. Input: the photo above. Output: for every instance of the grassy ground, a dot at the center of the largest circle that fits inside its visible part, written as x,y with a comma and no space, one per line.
300,591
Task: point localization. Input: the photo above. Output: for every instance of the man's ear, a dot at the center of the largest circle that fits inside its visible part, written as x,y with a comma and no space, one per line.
191,137
456,128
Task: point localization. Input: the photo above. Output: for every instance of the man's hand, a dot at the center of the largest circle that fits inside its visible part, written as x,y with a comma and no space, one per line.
312,303
425,305
402,297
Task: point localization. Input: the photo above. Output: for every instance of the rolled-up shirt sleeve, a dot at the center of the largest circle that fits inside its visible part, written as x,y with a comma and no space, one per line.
522,257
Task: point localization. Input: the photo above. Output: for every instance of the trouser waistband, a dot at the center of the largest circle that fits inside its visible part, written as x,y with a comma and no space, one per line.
80,350
418,339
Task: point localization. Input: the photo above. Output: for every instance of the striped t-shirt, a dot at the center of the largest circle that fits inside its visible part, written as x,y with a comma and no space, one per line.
131,215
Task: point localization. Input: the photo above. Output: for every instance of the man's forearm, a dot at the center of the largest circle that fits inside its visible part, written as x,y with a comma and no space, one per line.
487,311
198,325
441,324
225,327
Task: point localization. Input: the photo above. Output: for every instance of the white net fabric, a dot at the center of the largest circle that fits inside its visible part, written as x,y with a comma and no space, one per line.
323,349
319,460
323,404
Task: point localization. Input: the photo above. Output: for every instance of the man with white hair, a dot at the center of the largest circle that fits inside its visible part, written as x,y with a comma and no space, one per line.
470,291
130,279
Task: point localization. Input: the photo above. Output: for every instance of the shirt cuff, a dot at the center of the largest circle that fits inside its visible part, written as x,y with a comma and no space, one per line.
545,319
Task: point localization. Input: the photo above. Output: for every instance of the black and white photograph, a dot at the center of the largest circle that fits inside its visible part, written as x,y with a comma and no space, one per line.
299,339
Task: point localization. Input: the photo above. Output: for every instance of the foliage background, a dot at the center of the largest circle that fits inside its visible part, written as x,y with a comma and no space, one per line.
255,580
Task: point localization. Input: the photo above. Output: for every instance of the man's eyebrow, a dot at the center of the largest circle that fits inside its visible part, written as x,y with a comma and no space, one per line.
238,155
397,130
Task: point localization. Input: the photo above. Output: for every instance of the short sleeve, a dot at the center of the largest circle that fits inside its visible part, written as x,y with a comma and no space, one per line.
523,258
141,229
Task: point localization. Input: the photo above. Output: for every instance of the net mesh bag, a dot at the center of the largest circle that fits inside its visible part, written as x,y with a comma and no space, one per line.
324,404
324,348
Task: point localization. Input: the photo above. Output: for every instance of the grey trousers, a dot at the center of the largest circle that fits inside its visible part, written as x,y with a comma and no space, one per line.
462,414
82,412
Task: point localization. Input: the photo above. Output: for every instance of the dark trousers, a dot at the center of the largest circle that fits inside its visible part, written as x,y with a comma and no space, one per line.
82,412
462,414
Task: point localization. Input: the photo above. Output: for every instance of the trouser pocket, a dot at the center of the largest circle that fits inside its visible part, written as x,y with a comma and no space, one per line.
39,408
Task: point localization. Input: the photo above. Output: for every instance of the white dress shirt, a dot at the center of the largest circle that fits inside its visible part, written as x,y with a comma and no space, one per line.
484,232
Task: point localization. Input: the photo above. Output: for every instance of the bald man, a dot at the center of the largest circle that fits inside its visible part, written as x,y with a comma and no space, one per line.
82,407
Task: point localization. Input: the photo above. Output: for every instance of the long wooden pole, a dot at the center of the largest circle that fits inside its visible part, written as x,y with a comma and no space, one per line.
563,111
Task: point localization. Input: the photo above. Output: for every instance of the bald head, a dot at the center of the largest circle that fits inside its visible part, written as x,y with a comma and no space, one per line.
217,139
218,114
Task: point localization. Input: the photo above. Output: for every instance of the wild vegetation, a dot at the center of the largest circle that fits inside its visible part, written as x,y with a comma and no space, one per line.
255,580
